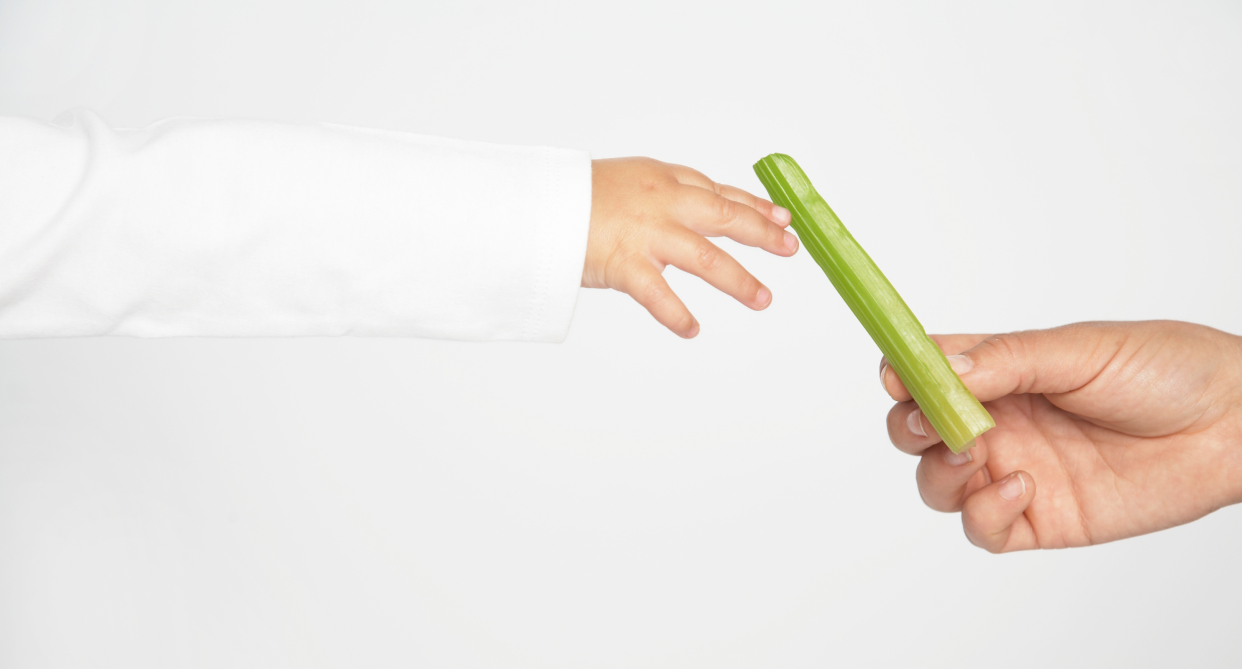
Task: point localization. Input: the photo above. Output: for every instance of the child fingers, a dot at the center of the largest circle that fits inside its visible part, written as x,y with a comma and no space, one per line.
945,478
643,282
712,215
692,177
992,516
770,210
693,253
909,429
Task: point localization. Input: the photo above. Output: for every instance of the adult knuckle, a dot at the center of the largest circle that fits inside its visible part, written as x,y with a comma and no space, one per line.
1008,346
1010,351
937,503
894,422
935,498
920,479
980,538
973,537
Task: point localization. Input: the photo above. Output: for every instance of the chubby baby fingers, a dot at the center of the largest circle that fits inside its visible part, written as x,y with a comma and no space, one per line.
641,280
773,212
691,252
714,215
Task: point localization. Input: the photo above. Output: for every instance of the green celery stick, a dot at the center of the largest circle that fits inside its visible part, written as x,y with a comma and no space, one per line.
952,410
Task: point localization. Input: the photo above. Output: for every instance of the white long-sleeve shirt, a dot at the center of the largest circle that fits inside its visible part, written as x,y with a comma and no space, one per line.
193,227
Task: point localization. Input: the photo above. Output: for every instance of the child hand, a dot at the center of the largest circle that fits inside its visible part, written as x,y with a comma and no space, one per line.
1103,431
646,215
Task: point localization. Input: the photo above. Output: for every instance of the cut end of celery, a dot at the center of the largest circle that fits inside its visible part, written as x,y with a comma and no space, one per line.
963,448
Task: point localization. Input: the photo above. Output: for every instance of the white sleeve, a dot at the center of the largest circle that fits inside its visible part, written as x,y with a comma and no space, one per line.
250,228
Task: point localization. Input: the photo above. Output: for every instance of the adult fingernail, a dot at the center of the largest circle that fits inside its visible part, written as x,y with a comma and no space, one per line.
914,421
1013,487
961,364
694,331
763,298
883,368
791,242
781,214
957,459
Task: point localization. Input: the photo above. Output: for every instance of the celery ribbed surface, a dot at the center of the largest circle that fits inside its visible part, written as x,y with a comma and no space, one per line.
948,405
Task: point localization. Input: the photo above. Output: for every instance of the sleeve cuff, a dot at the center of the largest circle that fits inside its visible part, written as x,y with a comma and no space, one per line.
564,222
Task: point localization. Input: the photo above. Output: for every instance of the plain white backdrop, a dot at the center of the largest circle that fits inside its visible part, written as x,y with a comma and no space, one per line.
628,499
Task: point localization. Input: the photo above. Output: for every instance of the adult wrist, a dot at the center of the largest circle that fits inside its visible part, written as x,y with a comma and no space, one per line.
1232,467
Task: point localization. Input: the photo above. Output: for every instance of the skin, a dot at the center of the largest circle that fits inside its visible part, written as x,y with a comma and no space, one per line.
1103,431
647,215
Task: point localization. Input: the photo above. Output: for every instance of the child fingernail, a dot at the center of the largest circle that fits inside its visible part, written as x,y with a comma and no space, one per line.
883,368
763,298
1013,487
961,363
915,422
957,459
781,214
791,242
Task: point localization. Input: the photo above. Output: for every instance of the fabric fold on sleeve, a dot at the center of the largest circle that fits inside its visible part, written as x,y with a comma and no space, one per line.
197,227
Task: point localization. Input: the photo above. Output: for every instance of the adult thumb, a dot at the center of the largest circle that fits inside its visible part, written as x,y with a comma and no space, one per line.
1058,360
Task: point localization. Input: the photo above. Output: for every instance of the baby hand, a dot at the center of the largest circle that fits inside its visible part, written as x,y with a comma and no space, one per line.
646,215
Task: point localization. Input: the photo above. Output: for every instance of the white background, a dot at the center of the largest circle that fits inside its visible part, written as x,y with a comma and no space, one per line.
628,499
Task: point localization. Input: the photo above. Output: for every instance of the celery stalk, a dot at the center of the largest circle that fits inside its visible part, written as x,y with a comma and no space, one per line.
952,410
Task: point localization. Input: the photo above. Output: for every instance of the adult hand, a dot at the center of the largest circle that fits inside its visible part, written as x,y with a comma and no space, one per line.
1103,431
